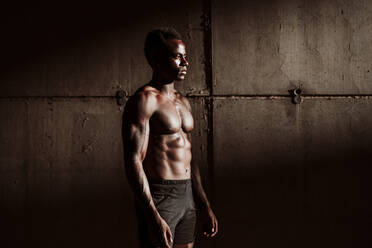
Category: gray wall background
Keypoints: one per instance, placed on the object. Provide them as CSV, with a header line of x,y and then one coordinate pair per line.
x,y
278,174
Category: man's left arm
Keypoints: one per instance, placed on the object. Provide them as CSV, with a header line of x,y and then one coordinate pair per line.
x,y
210,224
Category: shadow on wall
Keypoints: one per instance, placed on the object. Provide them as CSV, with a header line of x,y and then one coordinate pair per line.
x,y
33,30
78,220
317,202
83,48
62,181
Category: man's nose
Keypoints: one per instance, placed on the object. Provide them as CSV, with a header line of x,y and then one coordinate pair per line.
x,y
184,62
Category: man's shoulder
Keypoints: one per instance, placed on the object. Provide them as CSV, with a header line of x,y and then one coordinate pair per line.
x,y
146,92
143,101
145,95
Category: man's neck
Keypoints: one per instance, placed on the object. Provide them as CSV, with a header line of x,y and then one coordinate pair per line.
x,y
163,86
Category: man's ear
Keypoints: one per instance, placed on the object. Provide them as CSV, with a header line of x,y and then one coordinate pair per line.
x,y
156,58
154,62
151,62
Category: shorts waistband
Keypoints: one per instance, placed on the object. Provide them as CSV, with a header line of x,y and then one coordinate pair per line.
x,y
169,182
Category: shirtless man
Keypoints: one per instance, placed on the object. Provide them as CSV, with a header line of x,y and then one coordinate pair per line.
x,y
156,134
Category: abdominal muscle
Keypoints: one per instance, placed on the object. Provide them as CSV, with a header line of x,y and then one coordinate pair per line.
x,y
168,156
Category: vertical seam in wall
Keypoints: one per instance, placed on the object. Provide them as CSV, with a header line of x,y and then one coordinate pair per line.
x,y
208,70
27,226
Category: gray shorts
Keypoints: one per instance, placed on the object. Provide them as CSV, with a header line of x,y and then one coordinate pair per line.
x,y
175,204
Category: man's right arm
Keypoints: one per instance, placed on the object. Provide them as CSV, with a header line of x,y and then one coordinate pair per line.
x,y
136,130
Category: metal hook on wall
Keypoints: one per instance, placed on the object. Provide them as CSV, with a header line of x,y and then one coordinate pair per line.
x,y
296,95
121,97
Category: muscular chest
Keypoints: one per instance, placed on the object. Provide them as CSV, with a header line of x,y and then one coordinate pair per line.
x,y
171,118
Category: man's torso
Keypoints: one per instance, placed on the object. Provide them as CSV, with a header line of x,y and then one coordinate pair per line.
x,y
168,154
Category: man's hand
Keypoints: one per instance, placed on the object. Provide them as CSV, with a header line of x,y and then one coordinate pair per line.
x,y
210,224
164,232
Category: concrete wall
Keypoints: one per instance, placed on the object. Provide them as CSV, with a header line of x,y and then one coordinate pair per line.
x,y
278,174
291,175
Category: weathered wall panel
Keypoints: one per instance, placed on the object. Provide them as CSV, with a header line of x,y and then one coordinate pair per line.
x,y
91,50
336,159
268,47
63,183
258,193
293,172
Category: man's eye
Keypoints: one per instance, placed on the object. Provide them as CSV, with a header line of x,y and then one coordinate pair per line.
x,y
179,56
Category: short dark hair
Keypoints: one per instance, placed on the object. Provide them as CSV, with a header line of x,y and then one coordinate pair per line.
x,y
157,39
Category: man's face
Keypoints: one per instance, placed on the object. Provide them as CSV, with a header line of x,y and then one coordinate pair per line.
x,y
172,64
